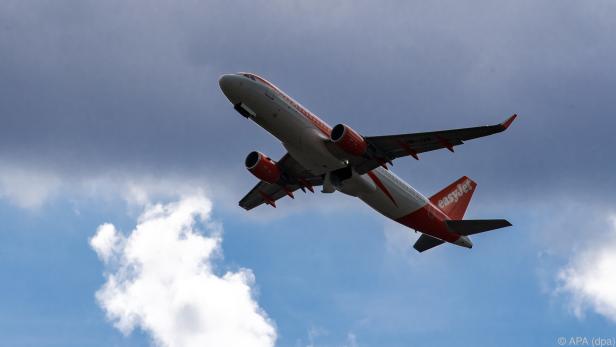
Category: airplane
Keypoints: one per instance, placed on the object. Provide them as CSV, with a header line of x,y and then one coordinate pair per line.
x,y
342,159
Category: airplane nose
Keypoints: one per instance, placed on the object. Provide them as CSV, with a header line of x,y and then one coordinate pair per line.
x,y
230,84
224,81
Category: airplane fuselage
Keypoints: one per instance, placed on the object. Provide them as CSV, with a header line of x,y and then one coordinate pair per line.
x,y
305,135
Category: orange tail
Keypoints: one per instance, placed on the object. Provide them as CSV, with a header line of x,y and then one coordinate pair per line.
x,y
454,199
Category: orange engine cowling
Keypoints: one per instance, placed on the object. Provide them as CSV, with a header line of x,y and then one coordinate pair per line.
x,y
263,167
349,140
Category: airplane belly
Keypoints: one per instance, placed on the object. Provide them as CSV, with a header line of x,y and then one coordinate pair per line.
x,y
298,135
279,122
312,153
356,185
393,198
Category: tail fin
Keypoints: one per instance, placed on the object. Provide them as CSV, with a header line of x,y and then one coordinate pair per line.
x,y
454,199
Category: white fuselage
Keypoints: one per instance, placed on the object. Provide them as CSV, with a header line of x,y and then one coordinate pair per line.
x,y
304,135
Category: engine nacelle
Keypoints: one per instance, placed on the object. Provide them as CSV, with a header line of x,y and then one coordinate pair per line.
x,y
263,167
349,140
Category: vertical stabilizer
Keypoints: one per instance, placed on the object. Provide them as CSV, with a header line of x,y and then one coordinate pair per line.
x,y
454,199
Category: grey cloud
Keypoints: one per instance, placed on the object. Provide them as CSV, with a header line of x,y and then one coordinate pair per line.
x,y
88,83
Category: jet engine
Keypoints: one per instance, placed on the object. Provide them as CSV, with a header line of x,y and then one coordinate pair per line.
x,y
263,167
349,140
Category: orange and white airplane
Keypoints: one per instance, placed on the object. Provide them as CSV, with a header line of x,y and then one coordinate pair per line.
x,y
339,158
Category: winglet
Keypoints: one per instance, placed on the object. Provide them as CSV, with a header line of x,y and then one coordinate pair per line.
x,y
508,122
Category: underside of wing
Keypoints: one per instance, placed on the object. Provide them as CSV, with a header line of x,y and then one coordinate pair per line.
x,y
390,147
295,177
263,192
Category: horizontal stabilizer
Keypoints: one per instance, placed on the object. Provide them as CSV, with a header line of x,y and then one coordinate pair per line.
x,y
475,226
426,242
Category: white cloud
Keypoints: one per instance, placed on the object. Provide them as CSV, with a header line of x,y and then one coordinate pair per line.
x,y
30,186
590,276
316,333
160,278
351,340
26,188
106,242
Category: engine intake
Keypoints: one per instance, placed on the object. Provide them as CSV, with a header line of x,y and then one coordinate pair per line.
x,y
349,140
263,167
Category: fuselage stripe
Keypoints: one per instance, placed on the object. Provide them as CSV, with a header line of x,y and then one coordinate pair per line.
x,y
381,186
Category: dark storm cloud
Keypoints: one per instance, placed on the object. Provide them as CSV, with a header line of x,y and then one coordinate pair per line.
x,y
87,84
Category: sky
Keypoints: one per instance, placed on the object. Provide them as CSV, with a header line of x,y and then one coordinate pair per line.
x,y
121,164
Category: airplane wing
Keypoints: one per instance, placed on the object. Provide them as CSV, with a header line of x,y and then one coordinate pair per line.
x,y
388,148
294,173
